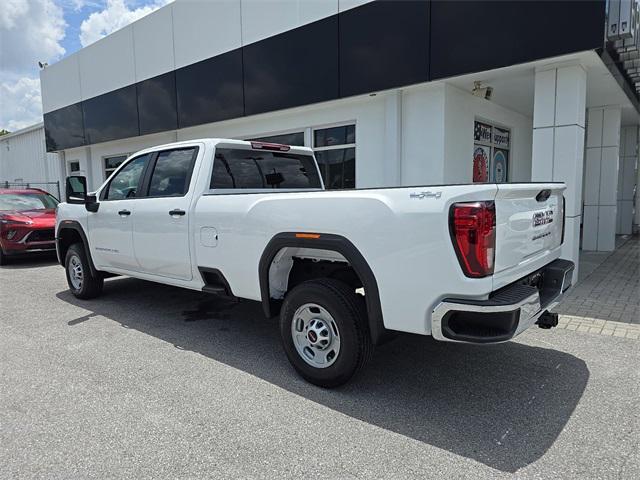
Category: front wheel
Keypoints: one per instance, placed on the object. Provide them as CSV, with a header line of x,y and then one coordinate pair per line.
x,y
324,330
82,283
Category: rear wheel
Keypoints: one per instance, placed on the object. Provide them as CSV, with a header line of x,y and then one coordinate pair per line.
x,y
81,281
324,330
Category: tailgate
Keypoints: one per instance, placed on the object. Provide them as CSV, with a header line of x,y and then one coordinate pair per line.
x,y
529,222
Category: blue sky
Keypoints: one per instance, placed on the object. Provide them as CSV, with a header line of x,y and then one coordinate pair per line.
x,y
47,31
73,17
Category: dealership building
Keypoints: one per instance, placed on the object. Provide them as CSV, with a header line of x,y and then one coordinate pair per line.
x,y
387,93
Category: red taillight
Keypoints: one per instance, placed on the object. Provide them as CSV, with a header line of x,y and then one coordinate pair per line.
x,y
473,232
270,146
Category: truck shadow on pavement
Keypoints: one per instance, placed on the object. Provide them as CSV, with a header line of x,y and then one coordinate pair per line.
x,y
501,405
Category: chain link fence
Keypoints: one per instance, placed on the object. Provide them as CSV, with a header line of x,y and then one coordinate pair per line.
x,y
52,187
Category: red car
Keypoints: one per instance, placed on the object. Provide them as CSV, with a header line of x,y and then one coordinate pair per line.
x,y
27,222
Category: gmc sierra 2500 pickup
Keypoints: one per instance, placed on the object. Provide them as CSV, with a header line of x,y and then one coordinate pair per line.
x,y
464,263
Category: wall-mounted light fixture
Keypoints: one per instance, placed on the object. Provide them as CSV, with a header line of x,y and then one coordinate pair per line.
x,y
482,92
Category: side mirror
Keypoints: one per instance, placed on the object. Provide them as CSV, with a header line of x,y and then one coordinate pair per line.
x,y
76,190
76,193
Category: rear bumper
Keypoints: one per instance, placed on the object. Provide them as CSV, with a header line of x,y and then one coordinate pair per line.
x,y
507,312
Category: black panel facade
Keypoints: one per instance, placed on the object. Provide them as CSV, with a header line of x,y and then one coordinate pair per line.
x,y
376,46
471,36
111,116
64,128
384,44
294,68
210,90
157,108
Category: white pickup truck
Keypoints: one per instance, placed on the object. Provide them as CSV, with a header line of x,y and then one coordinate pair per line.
x,y
343,269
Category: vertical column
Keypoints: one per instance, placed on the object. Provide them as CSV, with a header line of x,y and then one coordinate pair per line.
x,y
627,178
601,178
558,142
393,138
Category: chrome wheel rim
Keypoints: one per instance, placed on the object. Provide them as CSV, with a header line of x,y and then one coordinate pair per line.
x,y
76,273
315,335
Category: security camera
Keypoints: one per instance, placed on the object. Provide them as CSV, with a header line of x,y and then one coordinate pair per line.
x,y
43,64
482,92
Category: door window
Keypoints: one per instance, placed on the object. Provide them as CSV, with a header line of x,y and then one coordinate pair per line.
x,y
125,183
172,173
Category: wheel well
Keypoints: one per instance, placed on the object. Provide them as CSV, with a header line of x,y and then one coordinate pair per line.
x,y
291,266
289,258
66,238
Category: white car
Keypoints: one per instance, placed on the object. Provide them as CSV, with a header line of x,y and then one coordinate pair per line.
x,y
464,263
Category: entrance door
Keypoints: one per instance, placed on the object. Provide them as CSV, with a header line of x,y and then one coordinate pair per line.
x,y
161,226
111,227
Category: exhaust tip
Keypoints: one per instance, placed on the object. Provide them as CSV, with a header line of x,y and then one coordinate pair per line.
x,y
547,320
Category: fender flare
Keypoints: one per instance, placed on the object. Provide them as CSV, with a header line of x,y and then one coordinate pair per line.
x,y
74,225
336,243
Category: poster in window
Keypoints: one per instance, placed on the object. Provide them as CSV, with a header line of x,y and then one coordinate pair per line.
x,y
482,133
500,137
499,165
480,164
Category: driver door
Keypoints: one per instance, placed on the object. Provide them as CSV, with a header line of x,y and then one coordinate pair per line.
x,y
111,227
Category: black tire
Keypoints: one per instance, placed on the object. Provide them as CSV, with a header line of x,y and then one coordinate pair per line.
x,y
349,313
90,286
4,260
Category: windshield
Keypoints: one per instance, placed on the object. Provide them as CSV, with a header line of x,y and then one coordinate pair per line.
x,y
27,201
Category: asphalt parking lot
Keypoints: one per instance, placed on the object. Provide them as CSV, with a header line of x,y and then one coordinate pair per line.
x,y
150,381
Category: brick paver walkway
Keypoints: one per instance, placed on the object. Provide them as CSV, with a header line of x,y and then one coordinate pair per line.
x,y
607,301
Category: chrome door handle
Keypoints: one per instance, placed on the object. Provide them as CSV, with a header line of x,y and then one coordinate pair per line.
x,y
177,212
124,212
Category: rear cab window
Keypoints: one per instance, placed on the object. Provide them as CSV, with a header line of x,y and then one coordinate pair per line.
x,y
236,168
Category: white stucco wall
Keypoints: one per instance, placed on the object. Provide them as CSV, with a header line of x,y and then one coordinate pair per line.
x,y
422,135
461,109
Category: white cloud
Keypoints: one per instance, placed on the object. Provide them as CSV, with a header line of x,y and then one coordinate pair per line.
x,y
20,103
30,31
114,16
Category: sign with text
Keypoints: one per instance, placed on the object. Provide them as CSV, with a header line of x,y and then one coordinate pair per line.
x,y
482,133
500,138
490,153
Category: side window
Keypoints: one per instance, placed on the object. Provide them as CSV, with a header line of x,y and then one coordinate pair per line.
x,y
111,164
335,150
172,173
125,183
252,169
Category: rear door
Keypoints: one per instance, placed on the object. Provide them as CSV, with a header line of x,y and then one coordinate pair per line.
x,y
529,222
161,239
